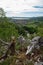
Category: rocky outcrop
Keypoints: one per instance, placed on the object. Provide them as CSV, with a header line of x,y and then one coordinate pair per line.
x,y
36,42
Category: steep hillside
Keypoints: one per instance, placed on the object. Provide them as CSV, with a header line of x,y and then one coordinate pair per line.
x,y
8,28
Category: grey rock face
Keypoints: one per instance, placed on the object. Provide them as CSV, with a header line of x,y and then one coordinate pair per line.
x,y
36,42
38,63
41,41
21,39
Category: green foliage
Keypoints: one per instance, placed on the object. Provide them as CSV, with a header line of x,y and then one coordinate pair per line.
x,y
21,30
31,30
7,61
7,29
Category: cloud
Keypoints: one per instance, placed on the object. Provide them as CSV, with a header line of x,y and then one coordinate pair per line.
x,y
15,7
38,6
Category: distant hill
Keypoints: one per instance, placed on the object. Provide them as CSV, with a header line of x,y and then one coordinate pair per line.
x,y
25,20
19,20
36,19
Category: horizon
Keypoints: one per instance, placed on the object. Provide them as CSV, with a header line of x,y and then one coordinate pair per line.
x,y
22,16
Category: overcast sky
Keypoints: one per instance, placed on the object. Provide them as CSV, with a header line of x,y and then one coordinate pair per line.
x,y
22,8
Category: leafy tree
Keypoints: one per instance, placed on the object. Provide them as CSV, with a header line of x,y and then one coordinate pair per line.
x,y
2,13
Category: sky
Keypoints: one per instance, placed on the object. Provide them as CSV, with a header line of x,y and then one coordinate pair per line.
x,y
22,8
